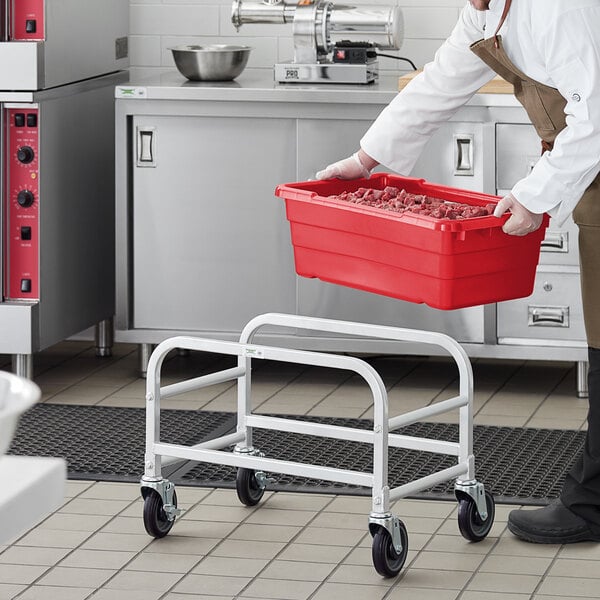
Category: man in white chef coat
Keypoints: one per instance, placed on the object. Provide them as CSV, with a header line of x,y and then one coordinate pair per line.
x,y
550,51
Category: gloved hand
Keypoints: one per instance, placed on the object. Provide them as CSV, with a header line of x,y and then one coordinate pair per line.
x,y
349,168
521,221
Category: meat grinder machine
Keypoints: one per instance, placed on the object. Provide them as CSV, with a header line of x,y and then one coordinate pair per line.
x,y
332,44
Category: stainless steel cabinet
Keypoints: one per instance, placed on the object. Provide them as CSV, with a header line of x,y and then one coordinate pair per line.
x,y
203,245
553,313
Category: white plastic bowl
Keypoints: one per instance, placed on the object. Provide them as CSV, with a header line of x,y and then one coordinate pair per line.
x,y
17,395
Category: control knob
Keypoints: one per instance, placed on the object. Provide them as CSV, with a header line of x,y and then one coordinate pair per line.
x,y
25,154
25,198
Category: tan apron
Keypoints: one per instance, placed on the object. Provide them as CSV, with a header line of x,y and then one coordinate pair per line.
x,y
545,107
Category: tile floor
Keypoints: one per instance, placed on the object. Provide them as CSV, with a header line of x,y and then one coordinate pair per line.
x,y
291,546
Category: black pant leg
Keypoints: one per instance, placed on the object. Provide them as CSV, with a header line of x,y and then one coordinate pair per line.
x,y
581,489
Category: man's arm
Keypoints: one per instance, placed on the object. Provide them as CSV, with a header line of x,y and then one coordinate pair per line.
x,y
571,50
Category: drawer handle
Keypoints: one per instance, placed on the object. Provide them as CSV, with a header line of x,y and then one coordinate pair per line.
x,y
555,241
548,316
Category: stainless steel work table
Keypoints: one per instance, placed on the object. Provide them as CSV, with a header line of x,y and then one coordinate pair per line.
x,y
203,246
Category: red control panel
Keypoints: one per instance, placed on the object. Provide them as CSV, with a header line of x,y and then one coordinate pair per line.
x,y
21,195
27,18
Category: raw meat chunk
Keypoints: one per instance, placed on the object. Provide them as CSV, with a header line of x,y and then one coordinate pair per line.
x,y
399,200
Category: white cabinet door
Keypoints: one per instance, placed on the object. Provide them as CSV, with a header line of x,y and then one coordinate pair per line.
x,y
210,249
461,155
319,142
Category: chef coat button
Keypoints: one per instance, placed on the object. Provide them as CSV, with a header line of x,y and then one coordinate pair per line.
x,y
576,97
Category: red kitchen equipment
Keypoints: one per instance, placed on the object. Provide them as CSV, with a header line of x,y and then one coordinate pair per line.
x,y
445,263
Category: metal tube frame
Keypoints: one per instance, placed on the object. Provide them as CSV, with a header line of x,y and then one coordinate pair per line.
x,y
380,437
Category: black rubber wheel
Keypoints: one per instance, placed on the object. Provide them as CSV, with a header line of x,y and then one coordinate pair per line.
x,y
471,525
386,560
156,522
248,490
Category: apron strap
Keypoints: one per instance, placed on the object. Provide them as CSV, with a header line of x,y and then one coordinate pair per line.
x,y
507,4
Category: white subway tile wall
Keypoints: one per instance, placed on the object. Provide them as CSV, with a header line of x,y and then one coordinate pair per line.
x,y
157,25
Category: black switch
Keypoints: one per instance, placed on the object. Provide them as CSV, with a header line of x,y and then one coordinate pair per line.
x,y
26,285
26,233
30,26
31,120
19,119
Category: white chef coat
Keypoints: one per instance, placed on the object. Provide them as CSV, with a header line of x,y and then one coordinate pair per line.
x,y
555,42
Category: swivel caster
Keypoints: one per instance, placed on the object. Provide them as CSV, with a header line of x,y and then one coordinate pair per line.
x,y
472,526
387,560
156,520
250,486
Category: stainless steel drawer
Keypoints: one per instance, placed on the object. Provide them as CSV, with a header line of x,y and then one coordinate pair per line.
x,y
552,312
560,245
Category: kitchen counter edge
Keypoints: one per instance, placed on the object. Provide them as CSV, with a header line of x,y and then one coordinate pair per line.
x,y
260,87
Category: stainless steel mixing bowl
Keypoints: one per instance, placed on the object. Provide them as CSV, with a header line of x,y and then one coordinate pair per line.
x,y
217,62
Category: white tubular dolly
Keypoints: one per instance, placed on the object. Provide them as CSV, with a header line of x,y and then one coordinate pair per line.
x,y
390,538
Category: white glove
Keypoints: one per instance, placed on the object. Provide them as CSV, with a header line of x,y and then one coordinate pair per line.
x,y
349,168
521,221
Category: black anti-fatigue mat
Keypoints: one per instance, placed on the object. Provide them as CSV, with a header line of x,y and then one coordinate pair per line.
x,y
518,465
107,443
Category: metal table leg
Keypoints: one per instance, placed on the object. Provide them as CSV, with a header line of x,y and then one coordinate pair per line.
x,y
22,365
104,337
582,383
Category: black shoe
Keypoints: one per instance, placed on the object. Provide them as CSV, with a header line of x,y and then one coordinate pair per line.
x,y
553,524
